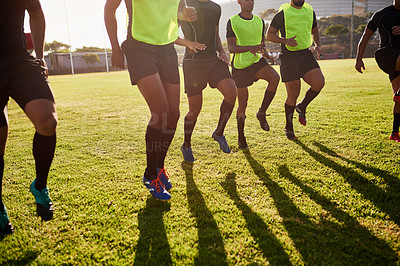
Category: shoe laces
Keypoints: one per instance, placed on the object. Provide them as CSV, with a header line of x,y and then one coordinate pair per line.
x,y
157,184
163,172
45,195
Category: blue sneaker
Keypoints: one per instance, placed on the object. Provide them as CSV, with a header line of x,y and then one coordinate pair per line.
x,y
5,225
157,189
162,175
222,142
44,205
187,154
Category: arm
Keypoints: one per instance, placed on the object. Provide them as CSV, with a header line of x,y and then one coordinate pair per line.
x,y
361,49
317,41
186,13
237,49
38,27
220,48
194,46
272,36
117,57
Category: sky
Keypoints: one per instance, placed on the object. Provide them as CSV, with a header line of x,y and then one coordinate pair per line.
x,y
85,21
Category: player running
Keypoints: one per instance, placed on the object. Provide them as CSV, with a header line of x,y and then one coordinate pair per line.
x,y
207,66
387,20
153,67
298,29
24,78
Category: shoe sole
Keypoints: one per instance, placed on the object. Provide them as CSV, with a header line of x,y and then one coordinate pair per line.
x,y
228,151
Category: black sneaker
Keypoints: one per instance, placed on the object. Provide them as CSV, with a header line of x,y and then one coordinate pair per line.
x,y
263,121
5,224
44,205
302,115
290,134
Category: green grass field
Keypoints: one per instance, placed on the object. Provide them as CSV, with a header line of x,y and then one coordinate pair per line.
x,y
330,198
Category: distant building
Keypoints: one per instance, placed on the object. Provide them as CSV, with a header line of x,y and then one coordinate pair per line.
x,y
323,8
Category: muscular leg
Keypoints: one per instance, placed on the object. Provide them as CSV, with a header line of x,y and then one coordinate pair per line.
x,y
316,80
228,89
243,96
396,107
398,64
3,141
293,91
42,113
195,105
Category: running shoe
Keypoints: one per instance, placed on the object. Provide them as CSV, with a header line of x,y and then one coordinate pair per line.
x,y
157,189
44,205
302,115
396,97
222,142
187,154
5,224
243,144
263,121
162,175
395,137
290,134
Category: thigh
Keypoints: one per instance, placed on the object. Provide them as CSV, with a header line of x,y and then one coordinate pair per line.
x,y
228,89
154,94
396,84
315,79
195,75
267,73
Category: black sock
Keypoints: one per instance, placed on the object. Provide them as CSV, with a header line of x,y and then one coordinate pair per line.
x,y
43,152
153,148
310,95
166,140
289,117
240,126
396,122
225,112
1,181
188,131
268,97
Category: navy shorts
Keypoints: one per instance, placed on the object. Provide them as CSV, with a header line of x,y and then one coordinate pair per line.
x,y
198,73
386,58
146,59
294,65
246,76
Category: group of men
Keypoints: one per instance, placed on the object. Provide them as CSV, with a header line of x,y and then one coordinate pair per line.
x,y
153,67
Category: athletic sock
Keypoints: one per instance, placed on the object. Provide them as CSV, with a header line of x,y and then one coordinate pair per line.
x,y
240,126
188,127
289,117
166,139
310,95
224,115
153,147
43,153
1,181
396,122
268,97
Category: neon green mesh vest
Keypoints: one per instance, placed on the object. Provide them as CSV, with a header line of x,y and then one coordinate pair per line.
x,y
155,21
298,22
248,33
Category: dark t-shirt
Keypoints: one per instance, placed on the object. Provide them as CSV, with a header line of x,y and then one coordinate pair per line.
x,y
204,29
384,20
12,37
278,22
230,33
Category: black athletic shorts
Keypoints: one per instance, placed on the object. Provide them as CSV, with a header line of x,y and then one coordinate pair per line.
x,y
246,76
198,73
295,65
146,59
24,81
386,59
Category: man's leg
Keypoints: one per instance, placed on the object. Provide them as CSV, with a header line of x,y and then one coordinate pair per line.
x,y
293,91
396,111
195,105
3,141
243,96
228,89
316,80
272,77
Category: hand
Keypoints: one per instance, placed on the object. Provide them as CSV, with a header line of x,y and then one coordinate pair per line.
x,y
319,50
257,49
396,30
291,42
117,58
194,46
189,14
224,58
44,65
360,65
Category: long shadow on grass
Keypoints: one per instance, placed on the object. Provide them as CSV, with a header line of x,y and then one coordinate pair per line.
x,y
153,247
267,241
348,241
26,259
211,245
386,201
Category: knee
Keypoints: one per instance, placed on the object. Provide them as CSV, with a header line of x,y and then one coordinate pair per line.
x,y
47,126
230,97
274,81
319,85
